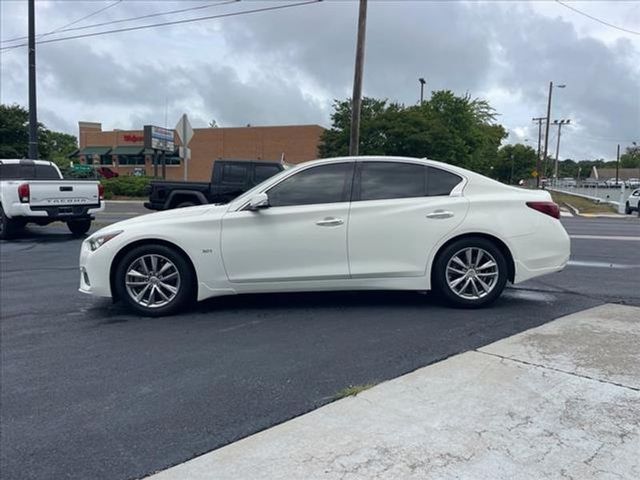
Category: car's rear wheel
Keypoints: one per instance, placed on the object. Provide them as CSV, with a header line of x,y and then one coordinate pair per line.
x,y
627,208
471,272
155,280
79,227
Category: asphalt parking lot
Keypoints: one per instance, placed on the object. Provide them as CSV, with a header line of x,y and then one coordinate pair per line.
x,y
91,391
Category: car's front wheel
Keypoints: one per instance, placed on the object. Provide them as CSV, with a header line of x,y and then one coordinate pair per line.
x,y
471,272
627,208
155,280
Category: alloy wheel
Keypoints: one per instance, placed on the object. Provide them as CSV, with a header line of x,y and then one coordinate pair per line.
x,y
152,281
472,273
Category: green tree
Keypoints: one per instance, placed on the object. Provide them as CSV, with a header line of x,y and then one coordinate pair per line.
x,y
448,128
631,158
14,137
515,162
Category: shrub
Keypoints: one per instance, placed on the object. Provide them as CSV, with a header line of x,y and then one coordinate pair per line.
x,y
129,186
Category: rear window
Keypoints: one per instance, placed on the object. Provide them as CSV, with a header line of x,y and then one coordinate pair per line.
x,y
440,182
234,173
21,171
262,172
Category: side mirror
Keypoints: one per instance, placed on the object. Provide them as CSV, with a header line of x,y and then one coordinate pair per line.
x,y
258,202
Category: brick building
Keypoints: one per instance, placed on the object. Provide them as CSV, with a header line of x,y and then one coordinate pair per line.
x,y
123,150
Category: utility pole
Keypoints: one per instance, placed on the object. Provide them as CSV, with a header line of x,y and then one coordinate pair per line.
x,y
539,120
617,164
422,82
33,116
546,128
559,123
356,100
546,132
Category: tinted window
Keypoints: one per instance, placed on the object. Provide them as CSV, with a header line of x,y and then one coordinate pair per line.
x,y
323,184
440,182
379,180
262,172
234,173
28,172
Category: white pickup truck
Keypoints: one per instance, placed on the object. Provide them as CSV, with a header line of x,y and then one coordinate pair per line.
x,y
34,191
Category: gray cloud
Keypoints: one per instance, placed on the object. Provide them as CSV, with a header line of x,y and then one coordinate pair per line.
x,y
287,66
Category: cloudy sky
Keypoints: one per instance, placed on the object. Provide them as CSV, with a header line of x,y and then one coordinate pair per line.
x,y
286,66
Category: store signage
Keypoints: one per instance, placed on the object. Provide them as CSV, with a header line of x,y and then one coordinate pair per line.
x,y
158,138
130,137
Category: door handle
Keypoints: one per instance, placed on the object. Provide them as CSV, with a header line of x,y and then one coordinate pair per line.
x,y
330,222
440,214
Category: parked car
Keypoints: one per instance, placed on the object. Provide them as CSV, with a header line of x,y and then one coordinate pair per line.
x,y
229,178
613,182
353,223
33,191
633,182
568,182
632,202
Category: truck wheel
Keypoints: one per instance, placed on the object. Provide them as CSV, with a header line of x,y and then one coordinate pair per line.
x,y
79,227
8,227
186,204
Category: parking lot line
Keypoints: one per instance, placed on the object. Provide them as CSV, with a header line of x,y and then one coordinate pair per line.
x,y
606,237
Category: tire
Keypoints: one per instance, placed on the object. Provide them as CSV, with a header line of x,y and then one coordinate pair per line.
x,y
174,289
185,204
79,227
8,227
461,289
628,209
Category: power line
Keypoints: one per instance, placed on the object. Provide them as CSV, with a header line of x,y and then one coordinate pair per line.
x,y
174,22
111,22
80,19
603,22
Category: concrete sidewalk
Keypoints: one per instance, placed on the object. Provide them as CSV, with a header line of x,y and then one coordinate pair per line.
x,y
558,401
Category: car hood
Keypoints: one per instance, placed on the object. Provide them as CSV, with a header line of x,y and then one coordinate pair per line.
x,y
168,217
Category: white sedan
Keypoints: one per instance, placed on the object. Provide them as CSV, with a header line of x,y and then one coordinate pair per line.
x,y
353,223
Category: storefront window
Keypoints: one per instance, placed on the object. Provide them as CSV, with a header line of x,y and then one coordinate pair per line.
x,y
106,160
173,159
130,159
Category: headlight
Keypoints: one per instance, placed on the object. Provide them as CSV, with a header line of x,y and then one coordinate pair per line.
x,y
97,241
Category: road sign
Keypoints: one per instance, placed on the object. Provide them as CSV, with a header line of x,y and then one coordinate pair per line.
x,y
184,130
185,133
158,138
185,152
534,174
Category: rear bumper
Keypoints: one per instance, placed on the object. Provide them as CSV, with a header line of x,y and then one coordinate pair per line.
x,y
545,251
61,212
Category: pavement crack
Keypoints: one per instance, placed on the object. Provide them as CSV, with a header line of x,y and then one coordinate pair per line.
x,y
559,370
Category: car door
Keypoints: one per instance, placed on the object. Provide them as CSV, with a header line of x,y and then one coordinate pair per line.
x,y
399,212
302,235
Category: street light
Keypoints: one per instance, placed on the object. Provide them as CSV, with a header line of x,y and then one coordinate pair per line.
x,y
559,123
422,84
546,132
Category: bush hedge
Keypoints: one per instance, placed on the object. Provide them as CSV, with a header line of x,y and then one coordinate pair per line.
x,y
129,186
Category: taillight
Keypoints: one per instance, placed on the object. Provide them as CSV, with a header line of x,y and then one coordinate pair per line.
x,y
24,193
548,208
101,191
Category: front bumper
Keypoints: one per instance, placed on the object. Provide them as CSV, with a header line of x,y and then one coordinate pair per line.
x,y
95,269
